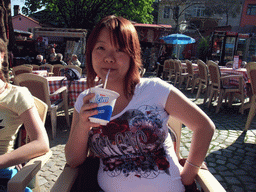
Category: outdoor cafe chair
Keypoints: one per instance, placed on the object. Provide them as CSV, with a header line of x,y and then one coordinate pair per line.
x,y
47,67
179,74
28,65
251,70
27,176
229,64
166,69
21,69
203,78
171,70
191,75
39,87
142,71
219,88
56,69
206,181
35,67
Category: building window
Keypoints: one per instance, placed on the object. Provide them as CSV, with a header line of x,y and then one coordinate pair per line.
x,y
198,11
167,12
195,11
251,9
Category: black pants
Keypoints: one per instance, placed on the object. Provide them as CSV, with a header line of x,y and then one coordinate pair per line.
x,y
87,176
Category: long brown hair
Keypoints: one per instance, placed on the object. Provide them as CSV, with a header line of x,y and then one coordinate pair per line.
x,y
124,35
3,50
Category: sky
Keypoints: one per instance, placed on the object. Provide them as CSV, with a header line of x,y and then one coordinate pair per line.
x,y
21,3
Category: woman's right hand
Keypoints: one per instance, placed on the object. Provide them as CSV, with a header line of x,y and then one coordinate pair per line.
x,y
88,110
77,145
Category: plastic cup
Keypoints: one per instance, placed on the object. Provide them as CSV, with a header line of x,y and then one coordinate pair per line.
x,y
106,100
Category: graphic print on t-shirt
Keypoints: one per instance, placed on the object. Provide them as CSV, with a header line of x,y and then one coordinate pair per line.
x,y
1,127
132,143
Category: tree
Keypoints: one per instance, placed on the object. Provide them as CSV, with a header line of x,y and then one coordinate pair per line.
x,y
203,48
85,13
178,8
228,8
6,31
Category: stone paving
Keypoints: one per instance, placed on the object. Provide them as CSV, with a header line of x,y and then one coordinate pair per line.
x,y
231,157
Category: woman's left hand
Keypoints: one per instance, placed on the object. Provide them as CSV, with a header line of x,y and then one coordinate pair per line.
x,y
188,174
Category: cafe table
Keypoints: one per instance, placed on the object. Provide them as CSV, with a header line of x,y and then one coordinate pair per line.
x,y
195,67
230,71
42,73
74,87
234,81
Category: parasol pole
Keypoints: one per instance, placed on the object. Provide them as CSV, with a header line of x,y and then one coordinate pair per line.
x,y
178,48
178,51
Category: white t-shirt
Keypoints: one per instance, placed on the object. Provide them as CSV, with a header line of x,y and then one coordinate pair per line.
x,y
136,151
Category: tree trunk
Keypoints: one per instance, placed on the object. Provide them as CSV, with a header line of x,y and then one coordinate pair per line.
x,y
2,23
226,18
5,28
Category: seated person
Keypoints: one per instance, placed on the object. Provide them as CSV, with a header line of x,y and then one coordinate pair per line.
x,y
17,108
39,60
160,62
44,62
254,58
59,60
52,55
135,149
75,60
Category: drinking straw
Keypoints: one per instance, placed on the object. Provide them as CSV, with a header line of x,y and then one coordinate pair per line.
x,y
106,80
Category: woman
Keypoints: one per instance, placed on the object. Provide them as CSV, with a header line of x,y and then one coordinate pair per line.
x,y
136,152
17,108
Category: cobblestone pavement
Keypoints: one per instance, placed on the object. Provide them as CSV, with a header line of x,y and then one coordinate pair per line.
x,y
231,157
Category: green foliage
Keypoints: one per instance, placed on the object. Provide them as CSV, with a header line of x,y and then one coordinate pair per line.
x,y
85,13
202,48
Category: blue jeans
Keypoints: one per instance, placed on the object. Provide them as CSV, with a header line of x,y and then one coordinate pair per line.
x,y
5,175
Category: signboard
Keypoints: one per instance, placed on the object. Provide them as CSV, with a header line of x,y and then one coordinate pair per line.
x,y
45,40
236,62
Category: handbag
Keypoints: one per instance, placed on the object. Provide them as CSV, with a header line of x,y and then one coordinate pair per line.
x,y
72,74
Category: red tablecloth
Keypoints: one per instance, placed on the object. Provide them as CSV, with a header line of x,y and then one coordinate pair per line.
x,y
74,87
234,81
231,71
42,73
195,67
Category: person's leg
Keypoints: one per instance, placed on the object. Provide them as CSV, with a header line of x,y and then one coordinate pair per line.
x,y
5,176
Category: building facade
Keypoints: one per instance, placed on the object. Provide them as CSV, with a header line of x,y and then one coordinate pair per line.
x,y
194,11
248,16
23,23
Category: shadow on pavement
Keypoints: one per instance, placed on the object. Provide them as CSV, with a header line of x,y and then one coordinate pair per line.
x,y
228,118
62,129
235,166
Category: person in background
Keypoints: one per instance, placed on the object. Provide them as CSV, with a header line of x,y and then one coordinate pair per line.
x,y
254,58
75,60
135,148
39,60
16,108
44,61
52,56
59,60
160,64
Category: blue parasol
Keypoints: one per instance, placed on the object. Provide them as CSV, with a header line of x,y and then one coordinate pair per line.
x,y
178,39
